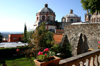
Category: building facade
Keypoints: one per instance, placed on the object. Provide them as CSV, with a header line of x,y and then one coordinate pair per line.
x,y
92,18
95,17
71,17
87,17
15,37
48,16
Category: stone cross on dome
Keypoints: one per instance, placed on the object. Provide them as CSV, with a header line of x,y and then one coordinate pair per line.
x,y
71,11
46,5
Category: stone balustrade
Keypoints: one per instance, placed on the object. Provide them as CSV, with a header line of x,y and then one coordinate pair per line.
x,y
91,58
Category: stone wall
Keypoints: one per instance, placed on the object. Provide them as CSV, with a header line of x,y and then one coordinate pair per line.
x,y
91,31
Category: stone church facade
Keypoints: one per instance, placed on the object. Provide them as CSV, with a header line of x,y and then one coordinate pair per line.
x,y
92,18
48,16
71,17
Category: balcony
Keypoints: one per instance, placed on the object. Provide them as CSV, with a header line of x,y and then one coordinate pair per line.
x,y
91,58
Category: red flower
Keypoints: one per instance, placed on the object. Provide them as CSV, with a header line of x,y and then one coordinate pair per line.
x,y
45,54
99,42
46,49
17,50
40,53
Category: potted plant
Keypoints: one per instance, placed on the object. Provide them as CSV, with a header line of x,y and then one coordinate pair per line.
x,y
99,45
43,59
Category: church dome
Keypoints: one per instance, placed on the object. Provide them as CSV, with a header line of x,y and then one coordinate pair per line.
x,y
71,14
46,9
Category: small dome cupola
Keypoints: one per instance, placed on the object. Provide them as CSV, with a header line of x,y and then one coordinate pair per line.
x,y
46,9
71,11
46,5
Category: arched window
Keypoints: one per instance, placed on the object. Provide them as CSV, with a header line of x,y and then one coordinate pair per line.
x,y
43,17
94,19
63,20
71,20
98,20
37,18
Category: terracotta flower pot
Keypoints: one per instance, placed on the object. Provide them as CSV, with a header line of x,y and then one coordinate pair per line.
x,y
53,62
98,46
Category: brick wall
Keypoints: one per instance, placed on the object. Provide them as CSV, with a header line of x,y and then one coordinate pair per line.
x,y
57,37
59,31
15,37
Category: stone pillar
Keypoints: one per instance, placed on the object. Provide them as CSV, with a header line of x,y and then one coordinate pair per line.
x,y
96,61
99,59
87,62
81,63
74,65
92,61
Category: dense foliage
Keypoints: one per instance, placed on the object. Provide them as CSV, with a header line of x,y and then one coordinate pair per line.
x,y
91,5
42,37
65,47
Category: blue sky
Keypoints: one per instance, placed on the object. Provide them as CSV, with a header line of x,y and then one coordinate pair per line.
x,y
15,13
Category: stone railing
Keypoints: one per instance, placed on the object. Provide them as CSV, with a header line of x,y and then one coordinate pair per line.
x,y
91,58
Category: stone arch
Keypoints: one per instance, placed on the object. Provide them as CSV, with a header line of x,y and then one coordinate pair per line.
x,y
63,19
92,20
71,20
98,20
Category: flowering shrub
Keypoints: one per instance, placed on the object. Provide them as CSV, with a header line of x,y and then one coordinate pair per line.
x,y
99,42
42,56
40,53
17,50
46,50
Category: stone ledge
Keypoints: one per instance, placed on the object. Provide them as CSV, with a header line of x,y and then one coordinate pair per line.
x,y
78,56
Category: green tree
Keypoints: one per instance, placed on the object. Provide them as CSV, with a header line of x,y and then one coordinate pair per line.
x,y
42,37
91,5
1,37
25,35
47,40
65,47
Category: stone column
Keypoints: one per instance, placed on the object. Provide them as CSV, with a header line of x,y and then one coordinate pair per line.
x,y
96,60
92,61
87,62
99,59
81,63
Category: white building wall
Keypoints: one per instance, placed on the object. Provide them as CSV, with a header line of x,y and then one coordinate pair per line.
x,y
51,27
50,17
74,19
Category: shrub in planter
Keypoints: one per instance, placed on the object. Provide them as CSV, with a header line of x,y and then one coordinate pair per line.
x,y
43,59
